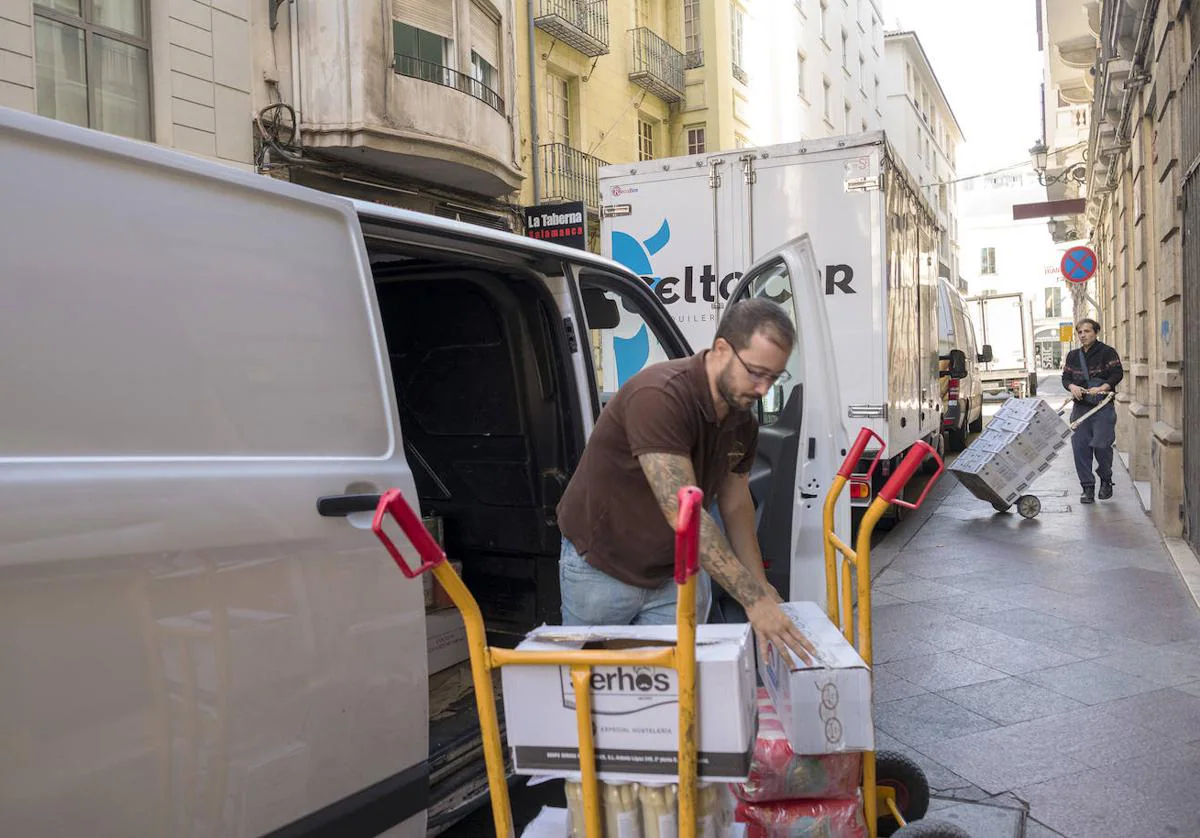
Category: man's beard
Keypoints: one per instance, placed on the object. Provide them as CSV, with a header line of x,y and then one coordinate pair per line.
x,y
726,391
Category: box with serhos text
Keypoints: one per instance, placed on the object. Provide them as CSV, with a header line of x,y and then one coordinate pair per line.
x,y
635,710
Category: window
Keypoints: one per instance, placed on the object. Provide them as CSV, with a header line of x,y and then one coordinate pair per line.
x,y
801,69
695,139
845,51
628,325
846,118
485,46
558,107
864,126
420,54
987,261
825,99
825,21
877,98
775,284
862,73
908,77
738,36
645,140
93,65
692,36
1054,302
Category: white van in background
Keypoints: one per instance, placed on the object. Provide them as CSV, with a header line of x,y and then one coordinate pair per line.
x,y
960,356
208,379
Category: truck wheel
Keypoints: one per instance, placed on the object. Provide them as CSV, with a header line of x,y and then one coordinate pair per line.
x,y
956,438
1033,379
932,829
896,771
976,426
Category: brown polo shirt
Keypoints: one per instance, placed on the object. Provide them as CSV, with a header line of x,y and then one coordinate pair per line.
x,y
609,511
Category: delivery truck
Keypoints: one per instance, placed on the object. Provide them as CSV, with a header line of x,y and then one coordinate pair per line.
x,y
690,225
1005,322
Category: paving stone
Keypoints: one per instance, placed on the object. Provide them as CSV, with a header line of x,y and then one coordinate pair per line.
x,y
1086,642
983,820
955,634
943,671
1014,656
920,590
1001,759
897,645
1024,623
1011,700
880,598
1171,781
925,719
892,576
908,615
1090,682
1170,712
889,687
1035,829
1163,666
1092,804
965,604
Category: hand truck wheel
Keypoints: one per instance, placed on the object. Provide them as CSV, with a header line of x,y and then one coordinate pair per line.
x,y
906,779
1028,506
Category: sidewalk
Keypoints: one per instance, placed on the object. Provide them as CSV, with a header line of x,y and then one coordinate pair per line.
x,y
1051,664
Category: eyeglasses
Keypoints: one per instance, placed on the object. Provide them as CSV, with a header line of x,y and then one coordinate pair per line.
x,y
761,375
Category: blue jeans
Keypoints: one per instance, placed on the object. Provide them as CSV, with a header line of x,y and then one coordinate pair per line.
x,y
591,597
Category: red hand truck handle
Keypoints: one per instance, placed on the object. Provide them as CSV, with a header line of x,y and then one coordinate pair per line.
x,y
900,477
687,534
393,503
856,451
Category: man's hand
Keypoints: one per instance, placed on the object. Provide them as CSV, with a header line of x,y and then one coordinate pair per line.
x,y
773,626
1076,392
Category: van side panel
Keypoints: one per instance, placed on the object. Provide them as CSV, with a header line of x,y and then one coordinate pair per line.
x,y
191,357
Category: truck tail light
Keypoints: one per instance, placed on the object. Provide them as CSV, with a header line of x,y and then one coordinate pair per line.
x,y
859,490
952,390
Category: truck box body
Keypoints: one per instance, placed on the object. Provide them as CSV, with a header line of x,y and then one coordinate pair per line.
x,y
1005,322
690,225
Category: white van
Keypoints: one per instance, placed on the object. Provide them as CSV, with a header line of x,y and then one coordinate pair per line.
x,y
208,378
962,385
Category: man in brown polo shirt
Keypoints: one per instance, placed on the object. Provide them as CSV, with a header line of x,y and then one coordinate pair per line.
x,y
675,424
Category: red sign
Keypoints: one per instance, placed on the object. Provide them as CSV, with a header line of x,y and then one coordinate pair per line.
x,y
1078,264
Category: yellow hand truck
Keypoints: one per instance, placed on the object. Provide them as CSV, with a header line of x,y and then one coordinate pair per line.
x,y
892,785
681,657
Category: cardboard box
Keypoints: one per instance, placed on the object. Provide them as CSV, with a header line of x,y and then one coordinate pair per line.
x,y
635,709
445,639
825,706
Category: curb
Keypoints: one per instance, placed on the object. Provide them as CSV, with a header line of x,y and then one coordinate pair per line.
x,y
1187,564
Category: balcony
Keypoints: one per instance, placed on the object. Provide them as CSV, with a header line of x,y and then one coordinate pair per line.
x,y
415,68
580,24
569,174
655,65
695,58
740,74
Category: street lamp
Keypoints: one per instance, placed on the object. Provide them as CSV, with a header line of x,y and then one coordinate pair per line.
x,y
1040,155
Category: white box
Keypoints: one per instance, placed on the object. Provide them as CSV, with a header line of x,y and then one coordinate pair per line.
x,y
445,639
635,710
825,706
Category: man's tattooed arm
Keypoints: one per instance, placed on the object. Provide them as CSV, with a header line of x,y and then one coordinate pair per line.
x,y
667,474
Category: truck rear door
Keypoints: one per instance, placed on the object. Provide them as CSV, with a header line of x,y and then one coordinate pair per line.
x,y
802,438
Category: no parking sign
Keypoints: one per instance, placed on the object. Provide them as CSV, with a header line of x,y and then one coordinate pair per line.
x,y
1078,264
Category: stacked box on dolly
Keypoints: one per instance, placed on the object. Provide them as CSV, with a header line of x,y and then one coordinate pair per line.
x,y
1016,448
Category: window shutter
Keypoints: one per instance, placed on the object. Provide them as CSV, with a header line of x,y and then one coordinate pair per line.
x,y
485,35
436,16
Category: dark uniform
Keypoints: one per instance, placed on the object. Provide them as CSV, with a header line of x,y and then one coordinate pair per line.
x,y
1095,437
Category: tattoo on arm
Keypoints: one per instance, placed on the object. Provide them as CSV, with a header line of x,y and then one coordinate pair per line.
x,y
667,474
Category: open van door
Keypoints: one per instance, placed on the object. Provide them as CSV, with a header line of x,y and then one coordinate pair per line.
x,y
802,437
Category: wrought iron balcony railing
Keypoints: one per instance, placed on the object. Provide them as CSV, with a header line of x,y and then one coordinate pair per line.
x,y
569,174
655,65
580,24
740,74
415,68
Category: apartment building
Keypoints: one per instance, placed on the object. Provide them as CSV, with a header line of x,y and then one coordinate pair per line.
x,y
926,135
179,73
1126,77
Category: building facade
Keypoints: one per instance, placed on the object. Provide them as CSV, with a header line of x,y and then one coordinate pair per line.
x,y
1138,63
179,73
616,81
1002,256
923,130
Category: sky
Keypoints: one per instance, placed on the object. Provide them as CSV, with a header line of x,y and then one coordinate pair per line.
x,y
985,55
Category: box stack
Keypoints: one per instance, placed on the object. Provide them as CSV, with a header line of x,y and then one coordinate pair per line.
x,y
1018,445
445,633
814,722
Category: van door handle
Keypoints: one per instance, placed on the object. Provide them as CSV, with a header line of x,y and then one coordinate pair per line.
x,y
339,506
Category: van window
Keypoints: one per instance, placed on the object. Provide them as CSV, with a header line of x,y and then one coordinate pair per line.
x,y
207,319
775,284
621,335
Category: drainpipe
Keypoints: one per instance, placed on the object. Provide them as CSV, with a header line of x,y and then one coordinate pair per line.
x,y
535,156
294,31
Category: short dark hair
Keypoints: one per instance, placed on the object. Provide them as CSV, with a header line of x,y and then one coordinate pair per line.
x,y
744,318
1095,324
